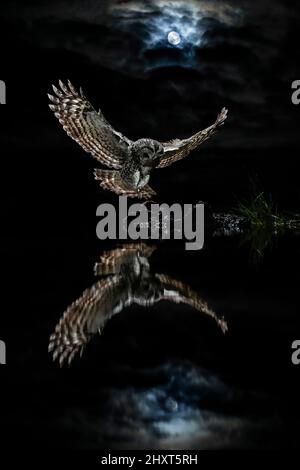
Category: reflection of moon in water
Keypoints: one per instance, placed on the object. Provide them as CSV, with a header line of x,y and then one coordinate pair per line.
x,y
174,38
171,404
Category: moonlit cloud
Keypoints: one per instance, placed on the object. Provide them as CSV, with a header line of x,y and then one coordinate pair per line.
x,y
131,36
154,20
222,43
183,409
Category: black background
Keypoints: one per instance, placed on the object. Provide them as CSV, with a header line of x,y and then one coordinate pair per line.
x,y
49,200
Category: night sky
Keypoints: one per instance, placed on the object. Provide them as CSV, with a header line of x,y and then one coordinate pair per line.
x,y
238,54
241,55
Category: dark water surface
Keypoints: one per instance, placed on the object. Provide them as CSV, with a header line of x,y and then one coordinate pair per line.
x,y
164,376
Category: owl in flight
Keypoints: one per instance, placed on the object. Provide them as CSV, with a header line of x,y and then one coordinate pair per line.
x,y
132,162
126,280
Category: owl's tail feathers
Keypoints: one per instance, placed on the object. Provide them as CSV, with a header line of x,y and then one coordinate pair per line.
x,y
111,179
145,193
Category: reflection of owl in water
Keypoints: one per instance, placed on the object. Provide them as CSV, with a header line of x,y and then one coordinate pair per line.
x,y
132,162
127,280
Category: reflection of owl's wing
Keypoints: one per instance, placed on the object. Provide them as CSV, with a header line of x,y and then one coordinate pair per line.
x,y
87,316
112,180
111,261
176,291
89,128
178,149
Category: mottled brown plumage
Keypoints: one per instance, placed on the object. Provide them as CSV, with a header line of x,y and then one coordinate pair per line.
x,y
129,281
132,162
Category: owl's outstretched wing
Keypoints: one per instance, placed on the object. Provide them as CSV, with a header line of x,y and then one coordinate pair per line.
x,y
178,149
87,316
87,127
178,292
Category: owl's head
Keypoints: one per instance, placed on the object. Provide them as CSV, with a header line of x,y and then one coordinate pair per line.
x,y
147,150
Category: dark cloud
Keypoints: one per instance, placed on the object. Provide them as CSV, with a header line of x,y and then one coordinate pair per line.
x,y
233,53
119,34
183,406
236,48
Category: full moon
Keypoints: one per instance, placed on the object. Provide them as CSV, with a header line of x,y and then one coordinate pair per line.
x,y
174,38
